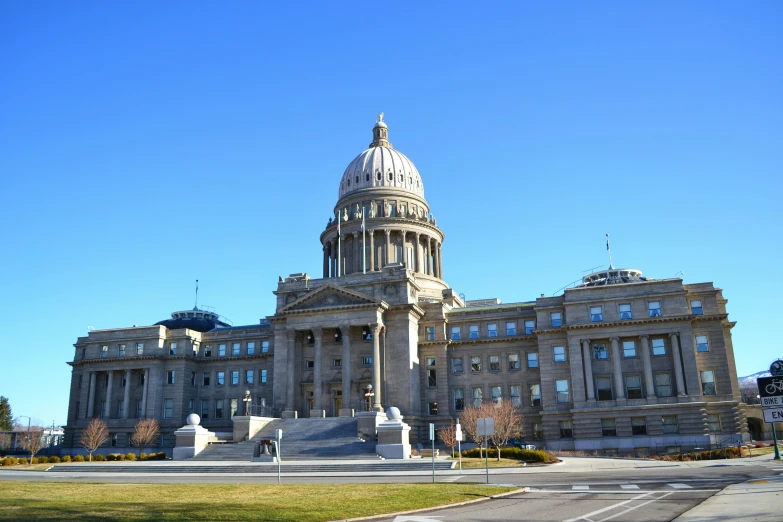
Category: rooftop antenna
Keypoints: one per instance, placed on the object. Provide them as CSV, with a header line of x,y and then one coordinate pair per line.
x,y
196,307
609,251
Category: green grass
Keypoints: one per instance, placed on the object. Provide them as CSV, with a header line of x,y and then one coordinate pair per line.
x,y
295,502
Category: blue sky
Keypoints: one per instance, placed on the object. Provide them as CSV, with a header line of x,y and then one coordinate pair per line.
x,y
143,146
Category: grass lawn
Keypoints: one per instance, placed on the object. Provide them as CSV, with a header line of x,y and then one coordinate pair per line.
x,y
493,463
300,502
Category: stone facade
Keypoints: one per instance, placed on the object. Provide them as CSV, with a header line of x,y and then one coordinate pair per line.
x,y
619,363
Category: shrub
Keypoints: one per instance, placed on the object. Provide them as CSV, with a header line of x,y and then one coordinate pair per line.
x,y
78,458
512,453
65,458
142,456
9,461
130,456
54,459
99,458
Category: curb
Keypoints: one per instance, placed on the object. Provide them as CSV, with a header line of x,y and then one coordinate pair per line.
x,y
445,506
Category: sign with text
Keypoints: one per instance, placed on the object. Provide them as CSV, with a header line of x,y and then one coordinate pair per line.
x,y
770,387
773,414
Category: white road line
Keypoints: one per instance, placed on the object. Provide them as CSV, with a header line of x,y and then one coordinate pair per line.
x,y
608,508
629,486
680,486
580,488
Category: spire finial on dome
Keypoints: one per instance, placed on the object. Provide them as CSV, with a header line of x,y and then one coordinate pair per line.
x,y
380,134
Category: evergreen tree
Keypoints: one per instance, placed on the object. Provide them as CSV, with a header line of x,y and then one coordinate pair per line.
x,y
6,418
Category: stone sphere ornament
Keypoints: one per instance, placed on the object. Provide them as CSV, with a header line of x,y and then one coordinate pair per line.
x,y
193,419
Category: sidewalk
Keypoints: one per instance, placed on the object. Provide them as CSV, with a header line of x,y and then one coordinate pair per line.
x,y
753,501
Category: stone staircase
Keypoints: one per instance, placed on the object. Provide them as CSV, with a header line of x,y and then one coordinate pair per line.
x,y
303,439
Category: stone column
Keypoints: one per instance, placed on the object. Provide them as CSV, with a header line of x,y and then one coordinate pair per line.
x,y
416,260
290,369
588,359
326,262
356,264
647,364
91,400
347,410
677,364
619,389
318,407
126,397
144,393
388,246
375,328
372,250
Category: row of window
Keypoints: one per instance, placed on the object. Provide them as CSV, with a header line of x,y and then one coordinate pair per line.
x,y
220,377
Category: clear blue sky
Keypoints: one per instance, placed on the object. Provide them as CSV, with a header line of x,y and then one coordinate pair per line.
x,y
143,146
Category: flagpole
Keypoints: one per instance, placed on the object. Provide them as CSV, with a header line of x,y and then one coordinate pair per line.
x,y
364,246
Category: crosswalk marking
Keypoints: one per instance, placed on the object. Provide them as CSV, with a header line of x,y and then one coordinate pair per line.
x,y
580,488
629,486
680,486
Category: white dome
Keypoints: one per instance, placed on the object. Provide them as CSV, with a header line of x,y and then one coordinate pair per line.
x,y
381,167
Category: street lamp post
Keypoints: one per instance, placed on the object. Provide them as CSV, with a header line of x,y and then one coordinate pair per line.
x,y
247,399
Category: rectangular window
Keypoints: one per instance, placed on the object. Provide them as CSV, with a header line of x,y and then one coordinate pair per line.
x,y
251,348
249,376
659,347
529,327
433,408
168,408
474,331
670,424
492,330
234,406
104,351
603,386
513,361
193,378
713,421
264,346
221,378
511,328
170,377
459,399
218,408
366,361
429,333
205,379
702,344
625,311
556,319
221,350
608,428
494,363
478,396
263,376
663,385
432,378
204,409
337,363
560,355
475,364
235,349
455,333
497,394
565,430
707,382
456,365
655,308
139,348
629,349
696,308
535,395
207,350
234,377
532,360
639,425
633,386
562,391
599,352
121,349
596,314
538,431
172,348
514,393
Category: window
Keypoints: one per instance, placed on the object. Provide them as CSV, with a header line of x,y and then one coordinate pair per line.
x,y
221,350
596,314
702,344
218,408
633,386
264,346
475,364
608,428
459,399
168,407
562,391
170,377
560,355
234,405
535,395
625,311
366,361
172,348
514,393
532,360
207,350
205,379
529,327
263,376
193,379
511,328
139,348
104,351
474,331
713,421
639,425
629,349
497,394
556,319
492,330
433,408
655,308
670,424
513,361
538,431
455,333
494,363
456,365
707,382
599,352
663,385
603,386
565,430
221,378
337,363
121,350
251,348
234,377
249,376
204,409
659,347
696,308
429,333
478,396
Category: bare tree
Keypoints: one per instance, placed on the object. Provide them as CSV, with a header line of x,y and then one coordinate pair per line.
x,y
33,442
509,423
94,435
449,436
469,421
145,434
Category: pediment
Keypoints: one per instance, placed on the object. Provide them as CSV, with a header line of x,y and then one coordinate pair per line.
x,y
330,296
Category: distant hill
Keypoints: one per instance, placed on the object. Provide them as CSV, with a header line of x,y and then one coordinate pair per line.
x,y
750,380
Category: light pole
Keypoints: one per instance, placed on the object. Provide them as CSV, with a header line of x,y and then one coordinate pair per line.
x,y
247,399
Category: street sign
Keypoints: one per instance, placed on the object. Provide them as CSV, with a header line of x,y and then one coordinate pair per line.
x,y
773,414
770,387
485,426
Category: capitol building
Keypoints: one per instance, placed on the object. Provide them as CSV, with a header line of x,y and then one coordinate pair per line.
x,y
620,363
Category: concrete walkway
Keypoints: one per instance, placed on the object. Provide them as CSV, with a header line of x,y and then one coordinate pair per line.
x,y
756,500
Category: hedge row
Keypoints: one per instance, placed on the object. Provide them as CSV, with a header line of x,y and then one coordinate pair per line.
x,y
13,461
512,453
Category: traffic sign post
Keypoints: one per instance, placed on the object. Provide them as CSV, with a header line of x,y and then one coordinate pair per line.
x,y
771,397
